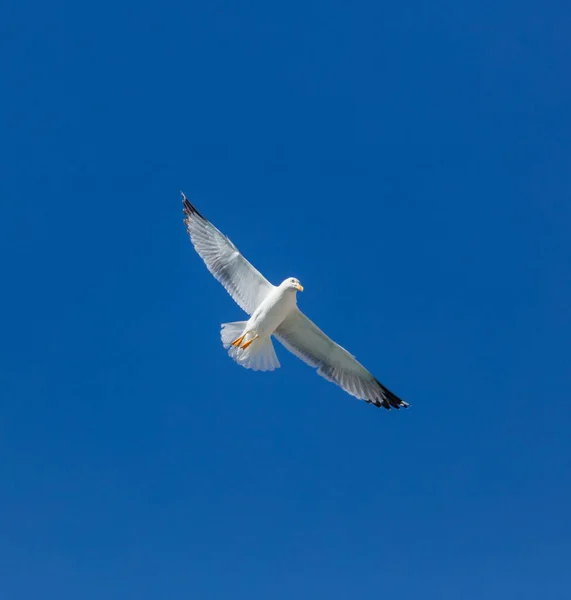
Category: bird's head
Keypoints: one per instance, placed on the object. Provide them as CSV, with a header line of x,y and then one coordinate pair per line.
x,y
292,283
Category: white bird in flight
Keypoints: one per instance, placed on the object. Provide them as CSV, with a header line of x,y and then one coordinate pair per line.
x,y
273,311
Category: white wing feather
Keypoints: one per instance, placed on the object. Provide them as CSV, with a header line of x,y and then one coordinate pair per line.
x,y
247,286
304,339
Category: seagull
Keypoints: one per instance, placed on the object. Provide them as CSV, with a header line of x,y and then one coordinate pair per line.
x,y
273,312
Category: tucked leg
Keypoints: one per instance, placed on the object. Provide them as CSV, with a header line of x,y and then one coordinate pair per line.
x,y
238,341
246,344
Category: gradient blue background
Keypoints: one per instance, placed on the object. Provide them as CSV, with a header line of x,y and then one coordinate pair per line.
x,y
410,163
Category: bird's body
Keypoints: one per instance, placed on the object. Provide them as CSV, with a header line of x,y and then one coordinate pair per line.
x,y
273,312
253,347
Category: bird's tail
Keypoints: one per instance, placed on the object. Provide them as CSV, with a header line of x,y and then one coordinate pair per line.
x,y
231,332
248,350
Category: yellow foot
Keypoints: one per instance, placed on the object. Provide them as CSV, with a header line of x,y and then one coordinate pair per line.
x,y
246,344
238,341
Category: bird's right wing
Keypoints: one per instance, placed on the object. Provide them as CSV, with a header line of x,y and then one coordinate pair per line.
x,y
247,286
303,338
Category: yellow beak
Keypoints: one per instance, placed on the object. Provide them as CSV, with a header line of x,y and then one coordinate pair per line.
x,y
299,287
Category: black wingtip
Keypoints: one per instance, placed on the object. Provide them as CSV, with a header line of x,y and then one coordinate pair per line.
x,y
390,400
189,209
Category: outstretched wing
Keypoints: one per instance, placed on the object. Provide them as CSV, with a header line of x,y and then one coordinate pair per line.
x,y
304,339
247,286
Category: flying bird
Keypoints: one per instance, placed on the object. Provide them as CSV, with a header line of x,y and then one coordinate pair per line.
x,y
273,311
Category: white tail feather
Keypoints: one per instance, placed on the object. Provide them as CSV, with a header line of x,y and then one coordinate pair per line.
x,y
258,356
231,332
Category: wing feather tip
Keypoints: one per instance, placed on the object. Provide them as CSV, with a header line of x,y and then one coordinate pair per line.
x,y
189,209
389,400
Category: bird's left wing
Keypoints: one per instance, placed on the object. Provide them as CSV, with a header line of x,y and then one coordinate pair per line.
x,y
247,286
303,338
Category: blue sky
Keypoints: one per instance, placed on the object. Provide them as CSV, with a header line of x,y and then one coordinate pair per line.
x,y
410,164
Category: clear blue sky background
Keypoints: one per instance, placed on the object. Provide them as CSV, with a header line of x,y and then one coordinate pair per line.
x,y
411,160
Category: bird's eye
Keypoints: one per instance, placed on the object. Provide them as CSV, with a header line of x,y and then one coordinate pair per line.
x,y
293,280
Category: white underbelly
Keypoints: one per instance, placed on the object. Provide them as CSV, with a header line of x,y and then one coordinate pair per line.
x,y
271,313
